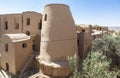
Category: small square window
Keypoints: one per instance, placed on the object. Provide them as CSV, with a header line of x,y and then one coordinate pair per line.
x,y
24,45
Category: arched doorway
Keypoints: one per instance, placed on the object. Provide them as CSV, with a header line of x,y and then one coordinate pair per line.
x,y
7,67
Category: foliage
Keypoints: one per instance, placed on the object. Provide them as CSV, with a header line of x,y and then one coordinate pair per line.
x,y
110,46
73,62
97,66
94,66
119,34
105,52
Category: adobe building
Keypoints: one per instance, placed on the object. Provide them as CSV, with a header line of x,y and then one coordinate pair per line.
x,y
96,34
98,31
100,28
86,27
10,23
11,27
16,48
0,25
58,40
84,39
32,23
79,28
28,22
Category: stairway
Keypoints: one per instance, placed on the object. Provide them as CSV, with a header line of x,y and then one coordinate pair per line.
x,y
28,61
3,74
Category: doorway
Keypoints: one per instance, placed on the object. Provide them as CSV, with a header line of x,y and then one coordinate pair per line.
x,y
7,67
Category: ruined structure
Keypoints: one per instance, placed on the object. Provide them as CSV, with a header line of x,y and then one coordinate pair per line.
x,y
98,31
84,39
58,40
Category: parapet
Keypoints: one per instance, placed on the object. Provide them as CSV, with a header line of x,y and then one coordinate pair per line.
x,y
31,12
57,5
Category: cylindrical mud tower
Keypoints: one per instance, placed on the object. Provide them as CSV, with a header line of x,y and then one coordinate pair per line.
x,y
58,40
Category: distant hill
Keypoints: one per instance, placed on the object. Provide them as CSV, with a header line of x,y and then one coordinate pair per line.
x,y
116,28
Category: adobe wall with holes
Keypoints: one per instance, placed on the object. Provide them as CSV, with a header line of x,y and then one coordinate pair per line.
x,y
15,53
23,50
32,23
84,44
36,42
10,23
0,26
84,41
78,28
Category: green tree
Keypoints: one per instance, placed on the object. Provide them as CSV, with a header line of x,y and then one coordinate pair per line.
x,y
110,46
73,62
105,54
94,66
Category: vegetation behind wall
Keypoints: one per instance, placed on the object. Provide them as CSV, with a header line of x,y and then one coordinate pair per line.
x,y
102,61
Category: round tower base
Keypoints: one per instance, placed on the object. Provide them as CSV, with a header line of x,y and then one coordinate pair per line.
x,y
55,69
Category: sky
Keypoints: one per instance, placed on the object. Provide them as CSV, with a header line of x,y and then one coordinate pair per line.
x,y
95,12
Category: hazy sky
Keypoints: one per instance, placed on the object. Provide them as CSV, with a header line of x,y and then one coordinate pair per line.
x,y
101,12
